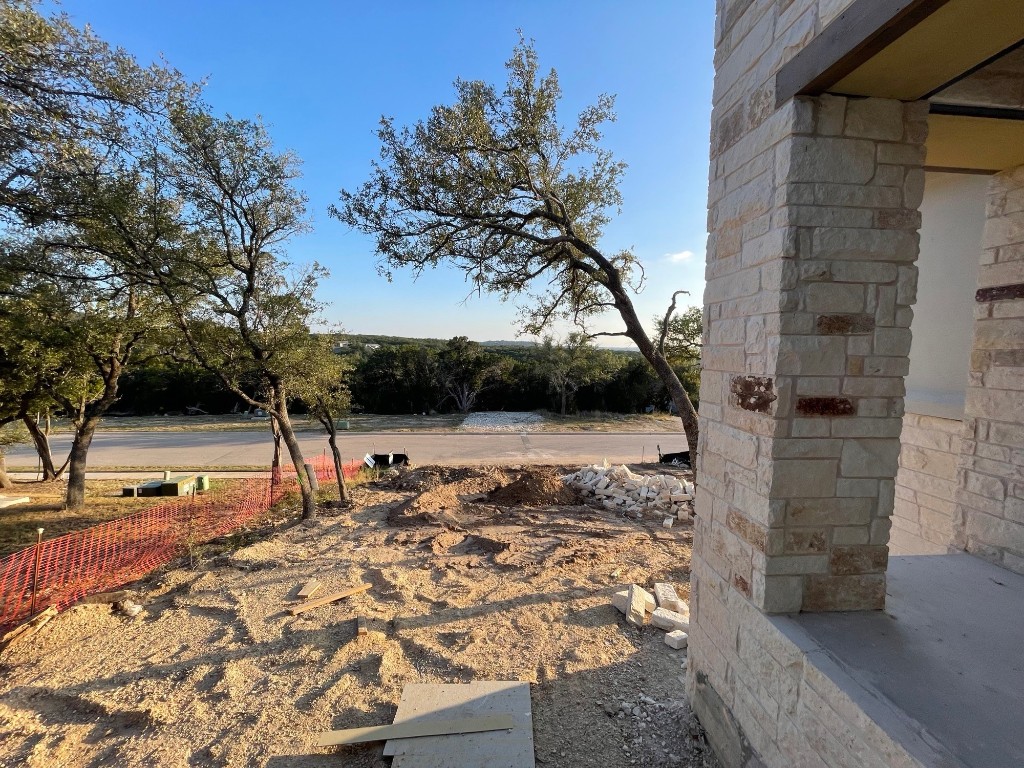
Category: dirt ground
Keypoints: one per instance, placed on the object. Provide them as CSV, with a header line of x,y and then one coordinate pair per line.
x,y
103,502
476,573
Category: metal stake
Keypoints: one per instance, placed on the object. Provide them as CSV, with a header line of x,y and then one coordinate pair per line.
x,y
35,569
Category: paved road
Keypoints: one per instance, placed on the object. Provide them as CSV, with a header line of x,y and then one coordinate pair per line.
x,y
190,450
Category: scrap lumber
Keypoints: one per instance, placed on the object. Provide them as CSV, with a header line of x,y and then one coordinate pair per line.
x,y
27,629
414,728
309,588
361,626
295,610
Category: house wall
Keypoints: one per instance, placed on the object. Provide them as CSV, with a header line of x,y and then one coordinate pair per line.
x,y
922,519
989,517
952,220
813,219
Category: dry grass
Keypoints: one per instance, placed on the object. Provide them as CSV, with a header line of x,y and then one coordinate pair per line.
x,y
103,502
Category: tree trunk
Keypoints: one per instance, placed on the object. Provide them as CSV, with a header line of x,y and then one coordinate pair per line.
x,y
42,447
332,438
292,443
5,481
635,331
84,431
563,399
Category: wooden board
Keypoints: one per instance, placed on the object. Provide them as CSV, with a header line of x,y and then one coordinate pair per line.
x,y
424,727
508,749
25,630
295,610
309,588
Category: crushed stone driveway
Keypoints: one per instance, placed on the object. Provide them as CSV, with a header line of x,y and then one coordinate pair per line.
x,y
243,449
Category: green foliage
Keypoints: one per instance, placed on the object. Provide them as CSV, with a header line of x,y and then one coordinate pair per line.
x,y
465,369
574,363
66,99
492,185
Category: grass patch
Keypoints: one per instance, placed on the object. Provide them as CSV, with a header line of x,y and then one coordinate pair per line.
x,y
103,502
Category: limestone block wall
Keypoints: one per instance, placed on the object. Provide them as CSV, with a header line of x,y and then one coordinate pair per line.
x,y
922,519
780,706
989,517
810,277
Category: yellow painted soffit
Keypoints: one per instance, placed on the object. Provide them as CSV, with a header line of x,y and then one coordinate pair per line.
x,y
959,35
974,143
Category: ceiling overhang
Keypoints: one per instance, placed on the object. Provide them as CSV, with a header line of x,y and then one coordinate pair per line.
x,y
903,49
978,144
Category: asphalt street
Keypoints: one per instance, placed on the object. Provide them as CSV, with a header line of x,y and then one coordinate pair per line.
x,y
209,450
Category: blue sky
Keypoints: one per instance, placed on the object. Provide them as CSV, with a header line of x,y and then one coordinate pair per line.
x,y
322,73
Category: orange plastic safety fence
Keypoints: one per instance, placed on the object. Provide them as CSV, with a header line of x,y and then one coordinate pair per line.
x,y
114,553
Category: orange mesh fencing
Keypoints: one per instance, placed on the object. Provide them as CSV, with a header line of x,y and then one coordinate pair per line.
x,y
112,554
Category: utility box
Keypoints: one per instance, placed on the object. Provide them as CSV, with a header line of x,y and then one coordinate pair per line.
x,y
202,482
341,424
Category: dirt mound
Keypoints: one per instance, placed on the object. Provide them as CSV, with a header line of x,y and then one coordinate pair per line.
x,y
462,479
535,488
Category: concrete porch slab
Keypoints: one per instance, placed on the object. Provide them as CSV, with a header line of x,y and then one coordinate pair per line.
x,y
947,652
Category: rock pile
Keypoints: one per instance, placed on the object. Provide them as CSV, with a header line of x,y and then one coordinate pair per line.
x,y
620,488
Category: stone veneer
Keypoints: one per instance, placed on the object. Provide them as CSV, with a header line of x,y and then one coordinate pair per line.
x,y
813,213
989,518
922,521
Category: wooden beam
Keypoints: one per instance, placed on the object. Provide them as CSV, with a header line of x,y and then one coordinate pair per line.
x,y
857,34
971,110
295,610
415,728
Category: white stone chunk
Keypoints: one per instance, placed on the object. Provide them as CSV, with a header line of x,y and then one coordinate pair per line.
x,y
636,610
668,620
667,522
621,600
667,597
676,639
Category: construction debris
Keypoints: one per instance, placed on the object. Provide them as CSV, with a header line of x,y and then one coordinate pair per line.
x,y
670,621
621,488
295,610
621,600
129,608
308,589
667,597
677,639
417,728
636,610
27,629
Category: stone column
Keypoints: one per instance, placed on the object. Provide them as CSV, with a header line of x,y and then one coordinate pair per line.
x,y
989,518
810,278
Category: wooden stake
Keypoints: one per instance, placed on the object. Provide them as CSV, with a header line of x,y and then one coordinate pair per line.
x,y
295,610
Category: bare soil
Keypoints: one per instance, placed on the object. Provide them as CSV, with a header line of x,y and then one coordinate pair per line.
x,y
477,574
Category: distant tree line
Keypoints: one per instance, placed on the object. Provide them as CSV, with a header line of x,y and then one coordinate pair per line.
x,y
391,375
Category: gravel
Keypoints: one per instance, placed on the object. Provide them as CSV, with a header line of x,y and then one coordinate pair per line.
x,y
501,421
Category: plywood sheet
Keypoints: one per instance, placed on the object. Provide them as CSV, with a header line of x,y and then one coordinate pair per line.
x,y
493,749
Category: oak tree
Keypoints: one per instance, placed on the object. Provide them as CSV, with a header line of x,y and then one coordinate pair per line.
x,y
494,185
